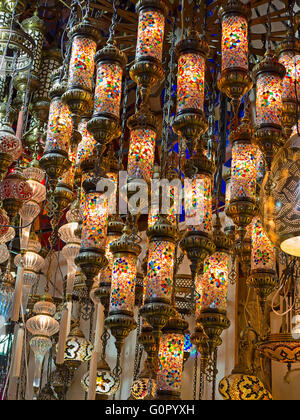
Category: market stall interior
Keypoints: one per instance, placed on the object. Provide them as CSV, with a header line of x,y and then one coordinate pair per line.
x,y
149,187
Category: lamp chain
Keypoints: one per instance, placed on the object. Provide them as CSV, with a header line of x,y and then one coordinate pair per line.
x,y
114,23
195,376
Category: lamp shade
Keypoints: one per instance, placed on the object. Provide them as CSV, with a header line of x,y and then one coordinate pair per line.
x,y
243,172
95,216
234,42
279,204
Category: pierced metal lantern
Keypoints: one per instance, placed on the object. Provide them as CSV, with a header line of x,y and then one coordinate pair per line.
x,y
263,263
289,57
269,74
190,121
235,79
55,160
279,198
147,71
242,205
78,97
170,356
105,123
50,62
77,350
35,27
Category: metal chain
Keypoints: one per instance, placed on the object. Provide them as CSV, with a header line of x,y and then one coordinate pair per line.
x,y
114,22
168,103
123,117
201,384
269,26
195,376
137,350
215,372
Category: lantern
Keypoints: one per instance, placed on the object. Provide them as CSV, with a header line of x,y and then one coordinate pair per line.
x,y
269,74
106,383
78,97
147,71
125,251
198,242
229,226
104,124
30,210
56,152
33,263
143,133
289,57
114,231
242,387
42,326
263,263
77,350
171,352
242,204
157,307
10,148
211,298
279,198
35,27
235,79
86,147
6,295
68,233
50,61
14,192
91,257
190,121
4,222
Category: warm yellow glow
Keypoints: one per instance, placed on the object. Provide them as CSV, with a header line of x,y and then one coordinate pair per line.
x,y
291,246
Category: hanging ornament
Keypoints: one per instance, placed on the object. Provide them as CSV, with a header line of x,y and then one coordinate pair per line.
x,y
56,152
171,352
78,349
50,62
120,318
14,192
143,132
263,263
269,74
190,121
91,258
211,304
78,96
235,79
34,27
32,263
198,243
242,387
289,57
42,326
10,148
147,71
242,205
105,123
